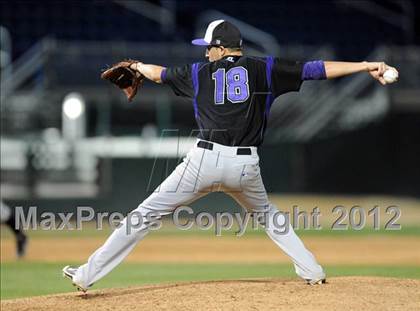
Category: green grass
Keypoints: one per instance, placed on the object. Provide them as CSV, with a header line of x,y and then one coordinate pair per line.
x,y
22,279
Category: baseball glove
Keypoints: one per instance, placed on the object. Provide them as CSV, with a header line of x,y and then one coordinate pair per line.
x,y
127,79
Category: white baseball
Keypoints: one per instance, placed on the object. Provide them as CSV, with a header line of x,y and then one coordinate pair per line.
x,y
390,75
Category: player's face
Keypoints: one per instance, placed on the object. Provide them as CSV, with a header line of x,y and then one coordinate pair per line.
x,y
214,53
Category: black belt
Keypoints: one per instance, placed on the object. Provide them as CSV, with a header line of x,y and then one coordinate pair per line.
x,y
209,146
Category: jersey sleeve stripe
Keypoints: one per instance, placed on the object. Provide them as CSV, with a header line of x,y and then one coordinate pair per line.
x,y
194,75
314,70
163,75
268,69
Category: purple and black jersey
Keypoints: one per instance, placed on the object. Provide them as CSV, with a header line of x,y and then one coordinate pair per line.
x,y
232,97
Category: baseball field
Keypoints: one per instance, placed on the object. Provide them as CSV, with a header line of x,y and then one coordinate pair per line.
x,y
174,269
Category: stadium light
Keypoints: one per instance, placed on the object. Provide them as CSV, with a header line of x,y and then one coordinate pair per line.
x,y
73,105
73,117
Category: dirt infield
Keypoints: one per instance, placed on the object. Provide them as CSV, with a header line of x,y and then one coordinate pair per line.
x,y
363,250
341,293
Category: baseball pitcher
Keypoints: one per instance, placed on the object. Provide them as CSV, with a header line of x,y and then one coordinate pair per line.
x,y
231,95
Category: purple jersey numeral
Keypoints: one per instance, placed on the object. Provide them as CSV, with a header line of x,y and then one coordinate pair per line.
x,y
236,82
219,87
237,85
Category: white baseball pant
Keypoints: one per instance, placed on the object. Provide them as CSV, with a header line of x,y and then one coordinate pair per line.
x,y
238,175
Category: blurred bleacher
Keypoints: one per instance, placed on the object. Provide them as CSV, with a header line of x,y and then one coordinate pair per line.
x,y
351,26
60,47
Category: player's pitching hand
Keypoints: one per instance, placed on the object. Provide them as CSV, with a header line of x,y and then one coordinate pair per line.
x,y
377,70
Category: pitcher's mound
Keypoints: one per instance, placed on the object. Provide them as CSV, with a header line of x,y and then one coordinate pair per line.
x,y
340,293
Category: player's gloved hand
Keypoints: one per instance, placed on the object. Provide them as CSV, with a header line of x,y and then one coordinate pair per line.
x,y
126,78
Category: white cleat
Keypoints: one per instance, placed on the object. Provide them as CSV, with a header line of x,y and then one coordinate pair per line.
x,y
69,273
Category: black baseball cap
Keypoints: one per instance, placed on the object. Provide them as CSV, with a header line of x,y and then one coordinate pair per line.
x,y
221,32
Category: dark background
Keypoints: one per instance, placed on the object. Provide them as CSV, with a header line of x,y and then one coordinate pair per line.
x,y
380,157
